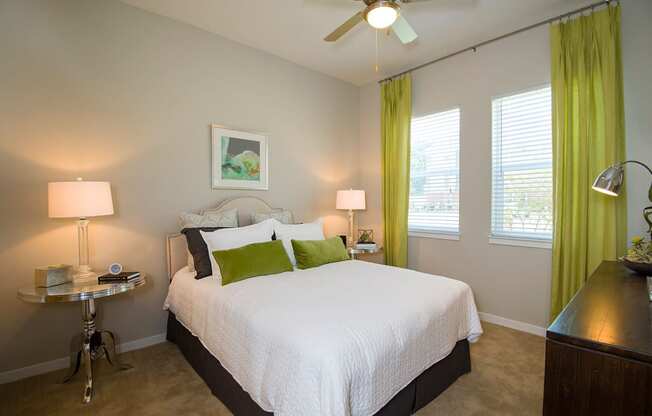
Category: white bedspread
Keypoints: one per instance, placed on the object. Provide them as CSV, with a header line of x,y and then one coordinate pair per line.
x,y
340,339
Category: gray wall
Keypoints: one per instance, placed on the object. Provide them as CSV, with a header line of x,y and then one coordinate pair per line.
x,y
637,73
510,282
105,91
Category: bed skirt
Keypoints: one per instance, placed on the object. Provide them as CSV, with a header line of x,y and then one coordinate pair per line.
x,y
421,391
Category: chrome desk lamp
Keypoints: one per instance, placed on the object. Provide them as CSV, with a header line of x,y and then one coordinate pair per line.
x,y
611,179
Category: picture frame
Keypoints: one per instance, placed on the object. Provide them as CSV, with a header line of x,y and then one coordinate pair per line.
x,y
239,159
365,235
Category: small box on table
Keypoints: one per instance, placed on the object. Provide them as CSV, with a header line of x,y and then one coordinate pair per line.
x,y
53,275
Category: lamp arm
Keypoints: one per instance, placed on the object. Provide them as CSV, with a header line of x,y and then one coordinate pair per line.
x,y
638,163
649,192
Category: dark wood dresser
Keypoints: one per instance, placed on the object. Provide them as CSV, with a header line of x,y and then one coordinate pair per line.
x,y
599,349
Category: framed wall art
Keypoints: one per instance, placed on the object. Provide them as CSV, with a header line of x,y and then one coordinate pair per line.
x,y
239,159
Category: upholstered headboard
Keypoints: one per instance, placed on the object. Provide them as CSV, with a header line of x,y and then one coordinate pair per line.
x,y
176,246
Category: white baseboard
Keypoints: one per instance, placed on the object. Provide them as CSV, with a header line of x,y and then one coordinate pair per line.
x,y
141,343
59,363
509,323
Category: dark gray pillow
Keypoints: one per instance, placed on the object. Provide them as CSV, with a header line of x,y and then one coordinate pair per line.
x,y
199,250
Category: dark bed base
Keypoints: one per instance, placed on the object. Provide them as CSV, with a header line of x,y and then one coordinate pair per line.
x,y
421,391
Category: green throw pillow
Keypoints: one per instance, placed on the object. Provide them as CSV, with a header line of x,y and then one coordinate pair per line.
x,y
257,259
313,253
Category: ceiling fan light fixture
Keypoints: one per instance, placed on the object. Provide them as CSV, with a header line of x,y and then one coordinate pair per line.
x,y
381,14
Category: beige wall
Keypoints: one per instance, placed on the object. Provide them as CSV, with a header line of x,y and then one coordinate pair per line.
x,y
511,282
105,91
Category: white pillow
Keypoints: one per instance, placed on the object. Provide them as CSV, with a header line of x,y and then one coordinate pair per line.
x,y
210,219
282,215
229,238
287,232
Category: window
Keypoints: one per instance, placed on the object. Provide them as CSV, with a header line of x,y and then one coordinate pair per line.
x,y
434,173
522,166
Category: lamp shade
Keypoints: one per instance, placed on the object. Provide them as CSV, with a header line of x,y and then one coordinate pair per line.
x,y
350,199
610,180
79,199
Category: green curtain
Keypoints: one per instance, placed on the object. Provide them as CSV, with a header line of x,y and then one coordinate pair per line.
x,y
588,136
395,118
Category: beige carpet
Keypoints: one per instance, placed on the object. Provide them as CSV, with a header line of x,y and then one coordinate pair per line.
x,y
507,378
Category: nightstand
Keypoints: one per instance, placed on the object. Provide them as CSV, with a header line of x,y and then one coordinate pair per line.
x,y
358,251
92,343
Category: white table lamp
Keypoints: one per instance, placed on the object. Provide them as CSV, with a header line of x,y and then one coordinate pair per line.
x,y
350,200
80,199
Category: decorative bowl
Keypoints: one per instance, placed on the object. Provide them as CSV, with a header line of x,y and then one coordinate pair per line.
x,y
644,269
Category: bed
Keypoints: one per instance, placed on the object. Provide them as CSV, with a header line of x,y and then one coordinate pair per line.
x,y
347,338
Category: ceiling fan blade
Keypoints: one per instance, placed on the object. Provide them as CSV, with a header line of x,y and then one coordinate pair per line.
x,y
403,30
447,4
345,27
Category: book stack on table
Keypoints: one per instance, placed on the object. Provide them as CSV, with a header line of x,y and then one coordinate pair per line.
x,y
123,277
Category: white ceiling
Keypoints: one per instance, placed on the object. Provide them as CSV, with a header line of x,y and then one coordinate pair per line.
x,y
294,29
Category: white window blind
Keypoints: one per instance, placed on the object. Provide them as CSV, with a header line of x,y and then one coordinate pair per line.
x,y
522,166
434,173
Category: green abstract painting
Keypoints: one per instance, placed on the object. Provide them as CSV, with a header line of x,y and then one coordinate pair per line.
x,y
240,159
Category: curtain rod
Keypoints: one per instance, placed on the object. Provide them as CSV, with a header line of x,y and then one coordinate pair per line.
x,y
486,42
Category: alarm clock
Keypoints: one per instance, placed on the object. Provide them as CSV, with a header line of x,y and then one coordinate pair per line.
x,y
115,268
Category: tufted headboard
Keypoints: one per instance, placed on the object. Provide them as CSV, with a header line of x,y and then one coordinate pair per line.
x,y
176,246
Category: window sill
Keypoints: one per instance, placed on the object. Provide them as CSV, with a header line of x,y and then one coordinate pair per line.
x,y
518,242
435,235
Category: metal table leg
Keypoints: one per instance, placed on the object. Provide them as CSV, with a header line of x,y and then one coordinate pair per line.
x,y
88,330
91,345
75,357
107,344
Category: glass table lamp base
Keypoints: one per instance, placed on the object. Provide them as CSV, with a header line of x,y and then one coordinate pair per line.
x,y
84,275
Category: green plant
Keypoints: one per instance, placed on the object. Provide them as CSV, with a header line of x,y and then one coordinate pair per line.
x,y
640,251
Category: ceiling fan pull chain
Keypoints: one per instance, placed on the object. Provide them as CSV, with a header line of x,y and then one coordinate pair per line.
x,y
377,66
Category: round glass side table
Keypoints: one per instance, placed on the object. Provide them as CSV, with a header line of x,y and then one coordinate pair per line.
x,y
91,344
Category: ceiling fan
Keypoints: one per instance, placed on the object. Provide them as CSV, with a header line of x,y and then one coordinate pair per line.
x,y
380,14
